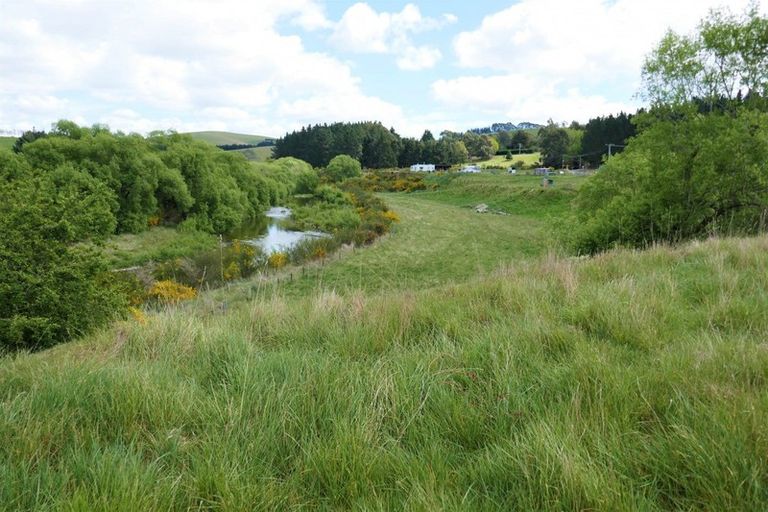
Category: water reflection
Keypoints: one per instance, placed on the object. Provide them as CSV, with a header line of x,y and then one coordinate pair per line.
x,y
269,232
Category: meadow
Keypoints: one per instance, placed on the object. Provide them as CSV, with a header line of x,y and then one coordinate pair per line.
x,y
6,143
633,380
217,138
501,162
462,362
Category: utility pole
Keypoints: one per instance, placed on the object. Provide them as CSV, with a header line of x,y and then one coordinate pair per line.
x,y
519,148
221,256
611,146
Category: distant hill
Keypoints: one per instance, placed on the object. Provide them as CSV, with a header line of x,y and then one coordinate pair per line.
x,y
217,138
507,127
257,154
6,143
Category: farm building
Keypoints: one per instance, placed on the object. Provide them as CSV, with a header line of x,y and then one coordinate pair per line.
x,y
541,171
470,169
423,167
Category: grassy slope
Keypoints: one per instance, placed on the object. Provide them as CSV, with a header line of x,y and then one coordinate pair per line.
x,y
500,161
257,154
631,381
517,195
216,138
6,143
433,244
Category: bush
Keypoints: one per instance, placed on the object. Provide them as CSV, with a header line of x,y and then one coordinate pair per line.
x,y
54,283
692,177
342,167
171,292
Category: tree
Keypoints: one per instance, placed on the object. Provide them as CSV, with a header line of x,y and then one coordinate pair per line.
x,y
53,283
28,136
675,182
601,131
480,146
553,142
520,139
504,139
342,167
728,56
699,164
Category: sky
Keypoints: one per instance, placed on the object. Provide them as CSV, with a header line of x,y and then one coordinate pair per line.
x,y
271,66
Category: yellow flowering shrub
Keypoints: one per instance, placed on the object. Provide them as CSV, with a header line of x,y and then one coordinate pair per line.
x,y
168,291
393,216
138,315
277,260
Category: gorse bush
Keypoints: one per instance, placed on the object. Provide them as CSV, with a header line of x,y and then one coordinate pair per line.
x,y
171,292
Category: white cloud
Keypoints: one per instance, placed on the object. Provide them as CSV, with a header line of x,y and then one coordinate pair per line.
x,y
414,58
550,58
521,97
363,30
202,65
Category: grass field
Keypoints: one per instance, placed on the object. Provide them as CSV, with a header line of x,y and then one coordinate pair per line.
x,y
460,363
461,244
501,162
631,381
216,138
257,154
157,244
6,143
518,195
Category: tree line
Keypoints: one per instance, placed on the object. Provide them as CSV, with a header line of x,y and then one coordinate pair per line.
x,y
377,147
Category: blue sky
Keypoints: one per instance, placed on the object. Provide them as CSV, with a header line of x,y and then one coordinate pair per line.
x,y
270,66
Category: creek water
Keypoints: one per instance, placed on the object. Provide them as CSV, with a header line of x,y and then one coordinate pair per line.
x,y
270,234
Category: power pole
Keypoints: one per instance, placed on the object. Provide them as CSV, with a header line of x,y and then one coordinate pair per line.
x,y
611,146
519,148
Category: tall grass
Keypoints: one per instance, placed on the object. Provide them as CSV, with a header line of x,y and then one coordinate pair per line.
x,y
628,381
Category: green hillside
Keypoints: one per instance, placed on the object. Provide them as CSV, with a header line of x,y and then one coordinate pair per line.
x,y
257,154
6,143
216,138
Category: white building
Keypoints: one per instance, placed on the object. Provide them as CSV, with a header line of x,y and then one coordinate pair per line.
x,y
470,169
423,167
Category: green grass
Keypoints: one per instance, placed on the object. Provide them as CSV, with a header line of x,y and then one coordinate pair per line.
x,y
459,363
501,162
156,244
216,138
6,143
433,244
261,154
630,381
518,195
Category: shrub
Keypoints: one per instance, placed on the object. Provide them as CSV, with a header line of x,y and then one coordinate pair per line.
x,y
277,260
171,292
675,181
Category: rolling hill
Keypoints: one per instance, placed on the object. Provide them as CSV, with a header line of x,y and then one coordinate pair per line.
x,y
7,142
217,138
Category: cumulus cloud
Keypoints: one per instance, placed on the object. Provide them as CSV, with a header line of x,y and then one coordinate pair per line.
x,y
363,30
549,57
203,65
